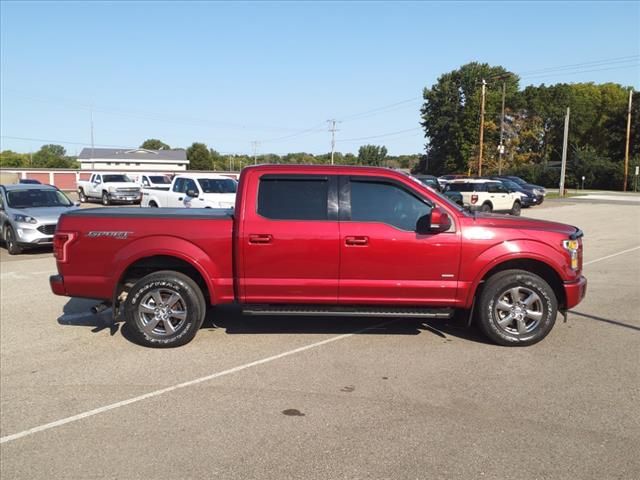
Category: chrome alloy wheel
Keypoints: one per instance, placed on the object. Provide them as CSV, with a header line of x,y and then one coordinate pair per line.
x,y
518,310
162,312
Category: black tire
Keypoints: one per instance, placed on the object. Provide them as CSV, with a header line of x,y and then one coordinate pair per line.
x,y
143,314
81,196
153,204
10,240
106,201
486,208
533,316
515,210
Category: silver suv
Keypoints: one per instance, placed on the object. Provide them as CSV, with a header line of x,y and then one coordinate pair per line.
x,y
29,215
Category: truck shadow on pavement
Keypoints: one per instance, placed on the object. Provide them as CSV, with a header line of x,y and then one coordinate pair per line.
x,y
234,322
76,312
605,320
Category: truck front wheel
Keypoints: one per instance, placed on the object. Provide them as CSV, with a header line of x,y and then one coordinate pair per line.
x,y
164,309
105,199
81,196
517,308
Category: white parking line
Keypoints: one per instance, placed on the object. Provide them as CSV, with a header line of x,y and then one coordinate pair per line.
x,y
155,393
612,255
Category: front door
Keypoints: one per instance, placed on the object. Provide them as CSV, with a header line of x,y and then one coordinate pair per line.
x,y
289,242
382,258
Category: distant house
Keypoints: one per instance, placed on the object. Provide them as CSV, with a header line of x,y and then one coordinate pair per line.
x,y
133,159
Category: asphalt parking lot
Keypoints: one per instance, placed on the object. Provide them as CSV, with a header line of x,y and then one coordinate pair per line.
x,y
313,398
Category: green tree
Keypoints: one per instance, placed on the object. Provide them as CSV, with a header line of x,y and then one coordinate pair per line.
x,y
9,158
372,155
199,157
451,115
50,156
155,144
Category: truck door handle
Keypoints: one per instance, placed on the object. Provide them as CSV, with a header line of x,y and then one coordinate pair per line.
x,y
260,238
356,240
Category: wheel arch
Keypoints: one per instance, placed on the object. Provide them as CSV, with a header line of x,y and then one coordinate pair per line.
x,y
155,263
172,253
533,265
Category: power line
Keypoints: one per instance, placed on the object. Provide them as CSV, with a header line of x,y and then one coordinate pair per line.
x,y
380,135
592,63
48,140
375,111
578,72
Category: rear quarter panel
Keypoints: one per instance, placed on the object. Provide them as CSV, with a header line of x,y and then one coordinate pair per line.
x,y
96,263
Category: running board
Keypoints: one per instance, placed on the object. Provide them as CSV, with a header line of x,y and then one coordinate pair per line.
x,y
346,311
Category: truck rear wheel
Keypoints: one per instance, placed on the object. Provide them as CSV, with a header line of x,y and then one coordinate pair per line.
x,y
164,309
517,308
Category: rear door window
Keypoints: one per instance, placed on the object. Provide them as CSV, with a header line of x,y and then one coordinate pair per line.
x,y
293,198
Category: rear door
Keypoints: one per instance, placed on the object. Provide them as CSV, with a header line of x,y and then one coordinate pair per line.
x,y
289,240
382,258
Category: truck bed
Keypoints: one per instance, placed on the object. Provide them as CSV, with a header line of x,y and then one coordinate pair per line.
x,y
110,240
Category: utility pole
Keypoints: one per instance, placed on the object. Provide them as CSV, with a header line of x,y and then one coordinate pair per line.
x,y
91,114
564,152
501,147
626,147
484,87
254,146
333,131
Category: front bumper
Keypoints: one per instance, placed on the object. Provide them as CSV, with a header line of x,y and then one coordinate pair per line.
x,y
125,197
575,291
34,234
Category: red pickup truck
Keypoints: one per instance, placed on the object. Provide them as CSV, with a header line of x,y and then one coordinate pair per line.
x,y
321,240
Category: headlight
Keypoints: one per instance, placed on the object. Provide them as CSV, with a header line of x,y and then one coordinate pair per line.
x,y
572,246
537,191
24,219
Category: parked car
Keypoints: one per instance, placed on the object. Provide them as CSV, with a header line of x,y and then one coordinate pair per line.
x,y
157,182
527,197
109,188
536,190
29,181
321,240
29,214
431,181
193,190
486,196
444,179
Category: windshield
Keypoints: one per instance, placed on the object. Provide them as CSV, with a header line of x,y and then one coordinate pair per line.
x,y
218,185
160,179
518,180
37,198
115,178
511,185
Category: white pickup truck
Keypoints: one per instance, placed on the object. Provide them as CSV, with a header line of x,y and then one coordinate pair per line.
x,y
109,188
155,181
196,190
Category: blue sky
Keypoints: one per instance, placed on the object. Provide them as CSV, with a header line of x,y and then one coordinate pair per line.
x,y
228,74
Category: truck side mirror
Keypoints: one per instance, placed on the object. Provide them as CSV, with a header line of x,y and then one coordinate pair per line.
x,y
434,222
192,193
